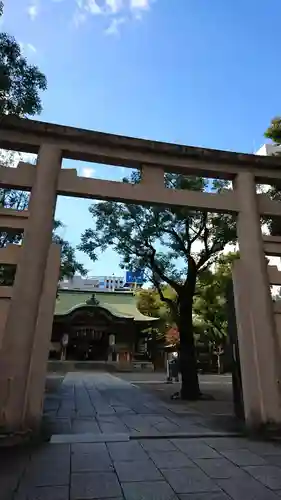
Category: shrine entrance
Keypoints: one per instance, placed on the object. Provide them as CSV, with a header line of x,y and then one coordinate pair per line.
x,y
93,334
23,353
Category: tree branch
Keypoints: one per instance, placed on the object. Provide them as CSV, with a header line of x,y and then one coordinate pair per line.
x,y
168,301
159,272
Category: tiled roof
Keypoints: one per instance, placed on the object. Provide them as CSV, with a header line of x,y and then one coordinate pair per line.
x,y
120,304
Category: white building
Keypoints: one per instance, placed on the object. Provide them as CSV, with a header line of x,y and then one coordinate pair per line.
x,y
268,150
107,283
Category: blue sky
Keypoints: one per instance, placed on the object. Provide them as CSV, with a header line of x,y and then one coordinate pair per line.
x,y
199,72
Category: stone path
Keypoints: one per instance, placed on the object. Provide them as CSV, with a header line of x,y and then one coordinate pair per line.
x,y
101,403
136,462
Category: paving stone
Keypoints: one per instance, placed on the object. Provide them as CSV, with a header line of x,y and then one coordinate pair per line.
x,y
144,470
127,451
95,485
189,480
157,445
137,423
114,426
264,448
170,460
156,419
80,426
154,490
167,427
88,437
93,449
243,457
9,484
59,425
195,449
212,495
269,475
95,457
219,468
248,489
56,454
44,493
273,460
221,443
123,409
48,474
85,412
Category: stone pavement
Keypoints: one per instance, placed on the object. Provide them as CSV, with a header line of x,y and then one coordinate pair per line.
x,y
135,461
102,403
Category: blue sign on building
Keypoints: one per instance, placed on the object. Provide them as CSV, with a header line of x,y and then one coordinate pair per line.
x,y
135,277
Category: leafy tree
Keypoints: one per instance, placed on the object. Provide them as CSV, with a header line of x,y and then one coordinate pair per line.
x,y
20,82
210,308
274,133
174,245
173,336
274,130
69,265
149,303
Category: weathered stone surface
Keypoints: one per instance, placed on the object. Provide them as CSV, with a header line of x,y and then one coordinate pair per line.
x,y
171,460
156,490
97,485
264,448
219,468
243,457
127,451
80,425
48,474
226,443
93,457
189,480
213,495
195,449
144,470
44,493
269,475
248,489
163,445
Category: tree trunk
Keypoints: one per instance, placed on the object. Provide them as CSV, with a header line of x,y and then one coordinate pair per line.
x,y
188,360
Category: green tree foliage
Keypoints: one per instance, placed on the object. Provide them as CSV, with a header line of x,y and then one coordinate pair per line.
x,y
149,303
274,133
210,300
210,307
20,82
174,245
274,130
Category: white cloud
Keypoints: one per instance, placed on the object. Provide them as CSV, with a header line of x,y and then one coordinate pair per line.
x,y
118,11
28,48
31,47
140,4
87,172
33,10
114,6
113,28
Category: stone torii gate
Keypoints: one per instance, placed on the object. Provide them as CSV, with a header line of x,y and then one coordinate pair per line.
x,y
259,343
